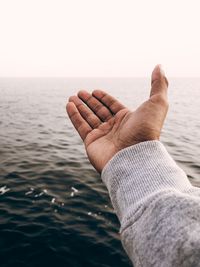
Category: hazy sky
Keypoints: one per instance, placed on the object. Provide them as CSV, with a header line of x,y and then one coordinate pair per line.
x,y
99,37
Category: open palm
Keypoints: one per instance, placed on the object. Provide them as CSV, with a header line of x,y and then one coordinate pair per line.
x,y
106,126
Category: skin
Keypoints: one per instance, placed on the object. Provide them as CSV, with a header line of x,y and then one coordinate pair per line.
x,y
106,126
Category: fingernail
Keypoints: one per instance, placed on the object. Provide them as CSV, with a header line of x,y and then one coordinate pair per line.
x,y
161,69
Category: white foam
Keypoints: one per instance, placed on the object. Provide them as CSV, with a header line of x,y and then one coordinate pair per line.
x,y
74,189
28,193
4,189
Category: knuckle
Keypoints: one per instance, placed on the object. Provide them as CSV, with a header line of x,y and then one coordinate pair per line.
x,y
160,99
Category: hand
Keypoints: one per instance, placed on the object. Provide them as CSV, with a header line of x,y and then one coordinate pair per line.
x,y
106,126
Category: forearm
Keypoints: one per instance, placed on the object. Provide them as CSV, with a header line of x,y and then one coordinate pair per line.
x,y
156,205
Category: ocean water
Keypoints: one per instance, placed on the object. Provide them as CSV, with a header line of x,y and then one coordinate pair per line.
x,y
54,209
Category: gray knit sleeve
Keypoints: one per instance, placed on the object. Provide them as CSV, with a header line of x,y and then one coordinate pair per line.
x,y
158,208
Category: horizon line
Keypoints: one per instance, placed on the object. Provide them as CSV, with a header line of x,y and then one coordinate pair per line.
x,y
92,77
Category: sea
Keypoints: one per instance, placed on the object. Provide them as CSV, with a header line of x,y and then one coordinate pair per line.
x,y
54,208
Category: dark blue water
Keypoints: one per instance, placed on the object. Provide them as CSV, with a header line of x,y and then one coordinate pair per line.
x,y
54,209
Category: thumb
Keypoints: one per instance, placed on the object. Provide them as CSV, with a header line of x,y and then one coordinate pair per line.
x,y
159,82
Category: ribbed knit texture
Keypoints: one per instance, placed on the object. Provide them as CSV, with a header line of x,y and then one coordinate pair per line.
x,y
158,208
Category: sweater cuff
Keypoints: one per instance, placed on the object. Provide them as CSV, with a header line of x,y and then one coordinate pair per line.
x,y
139,172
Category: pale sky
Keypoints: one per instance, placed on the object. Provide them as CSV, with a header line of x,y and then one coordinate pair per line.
x,y
90,38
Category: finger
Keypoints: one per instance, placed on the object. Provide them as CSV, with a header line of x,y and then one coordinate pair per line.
x,y
79,123
85,112
159,82
99,109
113,104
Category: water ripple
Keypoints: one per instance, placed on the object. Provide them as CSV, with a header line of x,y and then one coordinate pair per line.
x,y
44,220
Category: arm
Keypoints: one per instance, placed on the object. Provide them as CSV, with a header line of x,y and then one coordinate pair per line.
x,y
157,207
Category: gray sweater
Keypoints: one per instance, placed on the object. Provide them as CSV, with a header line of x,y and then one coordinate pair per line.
x,y
158,208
